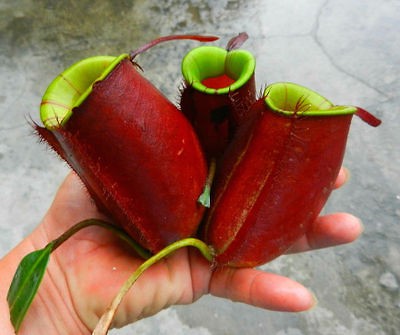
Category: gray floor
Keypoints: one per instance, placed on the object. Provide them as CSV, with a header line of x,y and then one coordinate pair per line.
x,y
347,50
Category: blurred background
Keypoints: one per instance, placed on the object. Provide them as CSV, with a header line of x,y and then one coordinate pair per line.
x,y
347,50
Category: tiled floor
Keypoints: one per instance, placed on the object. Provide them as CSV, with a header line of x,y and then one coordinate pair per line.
x,y
349,51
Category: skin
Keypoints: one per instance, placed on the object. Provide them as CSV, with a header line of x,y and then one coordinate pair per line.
x,y
86,272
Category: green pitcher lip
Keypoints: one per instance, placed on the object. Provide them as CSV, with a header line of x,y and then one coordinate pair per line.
x,y
71,87
209,61
290,99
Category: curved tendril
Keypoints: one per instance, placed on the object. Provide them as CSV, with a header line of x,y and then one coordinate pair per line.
x,y
200,38
105,321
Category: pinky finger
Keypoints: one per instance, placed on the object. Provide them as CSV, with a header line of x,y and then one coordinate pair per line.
x,y
342,178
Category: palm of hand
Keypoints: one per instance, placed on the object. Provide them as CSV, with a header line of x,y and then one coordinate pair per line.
x,y
93,265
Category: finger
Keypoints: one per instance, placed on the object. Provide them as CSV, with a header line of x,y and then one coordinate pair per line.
x,y
329,230
342,178
261,289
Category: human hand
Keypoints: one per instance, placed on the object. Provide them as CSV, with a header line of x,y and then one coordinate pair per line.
x,y
86,272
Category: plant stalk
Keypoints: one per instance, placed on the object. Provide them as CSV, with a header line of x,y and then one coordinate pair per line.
x,y
104,323
143,253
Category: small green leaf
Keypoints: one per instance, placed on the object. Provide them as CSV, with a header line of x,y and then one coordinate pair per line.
x,y
26,282
204,198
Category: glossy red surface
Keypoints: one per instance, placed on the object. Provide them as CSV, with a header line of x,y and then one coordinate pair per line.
x,y
138,156
273,181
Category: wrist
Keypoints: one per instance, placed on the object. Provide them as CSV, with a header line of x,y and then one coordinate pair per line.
x,y
52,309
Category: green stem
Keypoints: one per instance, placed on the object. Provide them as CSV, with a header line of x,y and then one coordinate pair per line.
x,y
104,323
205,197
143,253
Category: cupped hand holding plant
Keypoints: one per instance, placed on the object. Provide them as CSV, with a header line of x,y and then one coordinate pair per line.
x,y
149,168
86,272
